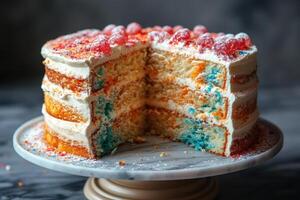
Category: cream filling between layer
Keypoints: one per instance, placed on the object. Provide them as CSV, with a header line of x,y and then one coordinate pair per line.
x,y
69,131
78,72
61,93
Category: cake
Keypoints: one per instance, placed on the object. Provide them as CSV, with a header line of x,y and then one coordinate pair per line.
x,y
106,87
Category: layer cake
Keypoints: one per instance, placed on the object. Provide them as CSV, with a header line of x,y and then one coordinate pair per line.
x,y
106,87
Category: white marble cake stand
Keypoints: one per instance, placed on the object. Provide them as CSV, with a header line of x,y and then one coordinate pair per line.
x,y
156,169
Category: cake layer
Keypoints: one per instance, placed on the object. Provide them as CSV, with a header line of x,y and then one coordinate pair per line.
x,y
196,102
73,84
73,132
121,70
244,82
195,72
119,100
243,74
53,140
163,64
72,71
244,106
62,110
199,134
61,93
127,127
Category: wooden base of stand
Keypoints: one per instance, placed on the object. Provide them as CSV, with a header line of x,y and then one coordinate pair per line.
x,y
194,189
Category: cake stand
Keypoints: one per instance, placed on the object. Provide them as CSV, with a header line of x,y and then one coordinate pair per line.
x,y
157,169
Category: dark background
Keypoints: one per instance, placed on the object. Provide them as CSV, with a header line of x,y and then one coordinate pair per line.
x,y
274,26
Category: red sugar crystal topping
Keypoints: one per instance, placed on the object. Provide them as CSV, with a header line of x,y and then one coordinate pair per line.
x,y
107,30
229,44
133,28
244,41
226,45
199,29
158,36
118,36
88,43
100,44
205,41
182,35
117,39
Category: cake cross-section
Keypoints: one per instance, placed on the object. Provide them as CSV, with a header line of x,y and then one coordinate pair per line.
x,y
106,87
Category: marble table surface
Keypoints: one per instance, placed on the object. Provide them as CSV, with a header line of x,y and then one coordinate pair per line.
x,y
276,179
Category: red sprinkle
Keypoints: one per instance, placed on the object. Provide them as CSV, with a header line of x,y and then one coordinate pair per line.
x,y
100,44
199,30
50,149
118,36
63,153
133,28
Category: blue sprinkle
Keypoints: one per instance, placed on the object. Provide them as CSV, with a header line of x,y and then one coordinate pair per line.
x,y
195,135
212,75
208,88
191,110
243,53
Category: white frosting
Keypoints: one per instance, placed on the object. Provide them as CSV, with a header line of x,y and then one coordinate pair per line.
x,y
68,130
62,93
80,106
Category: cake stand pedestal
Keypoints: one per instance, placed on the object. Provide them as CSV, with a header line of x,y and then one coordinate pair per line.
x,y
98,188
157,169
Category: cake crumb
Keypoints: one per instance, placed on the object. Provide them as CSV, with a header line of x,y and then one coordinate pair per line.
x,y
122,163
20,183
163,154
